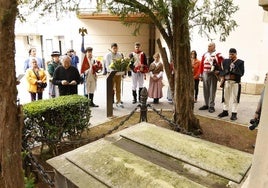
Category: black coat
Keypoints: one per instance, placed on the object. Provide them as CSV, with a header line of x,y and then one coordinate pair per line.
x,y
238,69
69,74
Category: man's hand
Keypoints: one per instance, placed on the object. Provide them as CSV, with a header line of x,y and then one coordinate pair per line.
x,y
64,82
73,82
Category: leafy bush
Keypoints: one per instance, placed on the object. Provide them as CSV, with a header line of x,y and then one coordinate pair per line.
x,y
49,121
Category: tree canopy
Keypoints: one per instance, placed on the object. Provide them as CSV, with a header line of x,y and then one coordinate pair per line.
x,y
175,19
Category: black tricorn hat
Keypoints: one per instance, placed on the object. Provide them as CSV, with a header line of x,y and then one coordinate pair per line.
x,y
55,53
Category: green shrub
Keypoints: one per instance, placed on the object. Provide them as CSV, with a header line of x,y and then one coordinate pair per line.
x,y
49,121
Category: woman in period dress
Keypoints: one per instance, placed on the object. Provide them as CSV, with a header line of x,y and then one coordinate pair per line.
x,y
156,77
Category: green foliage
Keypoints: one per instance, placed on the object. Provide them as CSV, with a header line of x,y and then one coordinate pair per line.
x,y
120,64
39,8
29,182
212,17
49,121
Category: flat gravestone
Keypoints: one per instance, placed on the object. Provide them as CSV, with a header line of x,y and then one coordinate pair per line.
x,y
149,156
224,161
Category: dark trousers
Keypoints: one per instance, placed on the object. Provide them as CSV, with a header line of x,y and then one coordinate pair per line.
x,y
196,88
39,96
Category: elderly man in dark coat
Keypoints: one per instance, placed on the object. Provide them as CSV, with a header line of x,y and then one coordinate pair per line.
x,y
66,77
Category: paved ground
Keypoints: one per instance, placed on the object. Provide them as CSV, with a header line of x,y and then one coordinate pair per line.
x,y
245,112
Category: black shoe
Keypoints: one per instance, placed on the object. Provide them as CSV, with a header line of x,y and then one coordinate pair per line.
x,y
205,107
233,117
252,127
211,109
223,114
134,101
93,105
156,101
254,123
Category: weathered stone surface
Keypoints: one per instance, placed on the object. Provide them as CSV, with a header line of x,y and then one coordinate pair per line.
x,y
74,174
149,156
229,163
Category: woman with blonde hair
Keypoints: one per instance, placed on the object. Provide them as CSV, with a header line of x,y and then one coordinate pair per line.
x,y
156,77
36,78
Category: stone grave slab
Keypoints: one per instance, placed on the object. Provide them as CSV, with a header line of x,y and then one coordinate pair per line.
x,y
223,161
148,156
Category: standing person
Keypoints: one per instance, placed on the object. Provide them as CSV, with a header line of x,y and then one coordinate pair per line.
x,y
232,71
104,68
138,68
209,71
257,116
53,90
75,60
66,77
196,73
156,76
91,76
109,58
36,78
32,54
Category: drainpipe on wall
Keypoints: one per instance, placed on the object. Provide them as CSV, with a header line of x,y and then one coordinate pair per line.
x,y
42,51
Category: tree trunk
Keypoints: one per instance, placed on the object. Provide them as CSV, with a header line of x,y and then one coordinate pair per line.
x,y
183,76
10,113
167,67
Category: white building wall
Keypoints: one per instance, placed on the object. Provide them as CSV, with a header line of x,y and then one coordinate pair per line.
x,y
250,39
100,36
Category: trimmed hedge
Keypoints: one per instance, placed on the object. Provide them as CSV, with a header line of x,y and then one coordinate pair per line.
x,y
48,121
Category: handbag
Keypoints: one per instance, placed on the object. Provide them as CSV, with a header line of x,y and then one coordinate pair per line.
x,y
40,85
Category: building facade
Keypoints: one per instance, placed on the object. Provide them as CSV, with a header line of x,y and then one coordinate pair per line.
x,y
249,38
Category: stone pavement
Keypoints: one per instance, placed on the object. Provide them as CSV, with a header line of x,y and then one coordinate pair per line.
x,y
246,107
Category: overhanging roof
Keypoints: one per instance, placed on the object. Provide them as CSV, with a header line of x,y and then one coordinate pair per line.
x,y
109,17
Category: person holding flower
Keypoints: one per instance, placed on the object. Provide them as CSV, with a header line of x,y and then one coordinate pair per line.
x,y
94,66
138,67
110,59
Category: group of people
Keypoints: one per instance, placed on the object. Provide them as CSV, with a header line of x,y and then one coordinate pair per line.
x,y
138,67
214,68
63,75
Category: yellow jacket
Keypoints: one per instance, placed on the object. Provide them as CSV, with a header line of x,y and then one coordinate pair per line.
x,y
32,79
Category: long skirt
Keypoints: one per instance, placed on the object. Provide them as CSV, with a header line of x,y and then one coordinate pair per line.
x,y
155,88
